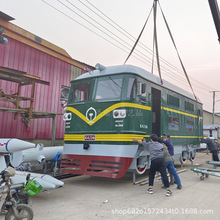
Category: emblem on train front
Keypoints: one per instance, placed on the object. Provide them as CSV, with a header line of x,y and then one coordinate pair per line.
x,y
91,115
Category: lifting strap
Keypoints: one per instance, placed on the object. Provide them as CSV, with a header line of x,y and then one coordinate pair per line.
x,y
138,37
184,70
156,42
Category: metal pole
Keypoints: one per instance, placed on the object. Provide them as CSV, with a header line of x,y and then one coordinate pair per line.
x,y
213,109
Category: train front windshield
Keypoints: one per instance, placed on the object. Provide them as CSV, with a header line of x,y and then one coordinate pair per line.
x,y
106,88
81,92
109,88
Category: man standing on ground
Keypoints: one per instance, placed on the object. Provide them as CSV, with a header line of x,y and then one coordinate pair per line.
x,y
157,162
169,144
169,164
217,145
212,148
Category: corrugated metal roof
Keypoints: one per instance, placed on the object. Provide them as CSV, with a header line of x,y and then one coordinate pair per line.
x,y
20,34
5,17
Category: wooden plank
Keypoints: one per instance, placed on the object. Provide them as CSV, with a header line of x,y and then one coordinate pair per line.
x,y
13,110
19,76
17,101
32,101
36,114
158,177
15,97
53,136
12,71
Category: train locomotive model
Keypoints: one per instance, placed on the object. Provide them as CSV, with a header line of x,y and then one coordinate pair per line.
x,y
110,106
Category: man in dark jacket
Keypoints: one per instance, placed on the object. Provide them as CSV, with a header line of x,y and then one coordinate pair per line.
x,y
212,148
169,144
157,162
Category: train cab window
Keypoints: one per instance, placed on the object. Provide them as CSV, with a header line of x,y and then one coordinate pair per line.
x,y
109,87
132,88
81,92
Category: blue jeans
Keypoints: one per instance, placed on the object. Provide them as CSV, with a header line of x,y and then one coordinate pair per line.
x,y
172,170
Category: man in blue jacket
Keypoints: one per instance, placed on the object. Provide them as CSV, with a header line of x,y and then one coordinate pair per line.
x,y
169,144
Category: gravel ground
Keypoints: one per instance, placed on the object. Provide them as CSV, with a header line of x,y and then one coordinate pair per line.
x,y
86,197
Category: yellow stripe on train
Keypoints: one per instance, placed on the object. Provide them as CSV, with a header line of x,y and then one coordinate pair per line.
x,y
106,111
119,105
103,137
179,112
111,137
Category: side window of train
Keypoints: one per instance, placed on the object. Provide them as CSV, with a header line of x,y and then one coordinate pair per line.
x,y
136,88
189,106
173,101
132,88
142,90
199,114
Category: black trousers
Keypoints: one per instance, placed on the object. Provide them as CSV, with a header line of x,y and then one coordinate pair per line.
x,y
160,166
215,155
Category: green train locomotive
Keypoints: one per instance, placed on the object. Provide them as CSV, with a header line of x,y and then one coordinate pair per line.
x,y
110,106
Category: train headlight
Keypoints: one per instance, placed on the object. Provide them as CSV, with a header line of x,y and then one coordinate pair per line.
x,y
119,113
67,116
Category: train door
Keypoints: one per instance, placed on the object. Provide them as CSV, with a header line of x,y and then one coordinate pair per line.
x,y
156,109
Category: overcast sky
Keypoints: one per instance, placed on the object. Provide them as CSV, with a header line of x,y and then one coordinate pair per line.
x,y
104,31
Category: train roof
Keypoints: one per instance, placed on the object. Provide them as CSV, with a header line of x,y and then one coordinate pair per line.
x,y
102,71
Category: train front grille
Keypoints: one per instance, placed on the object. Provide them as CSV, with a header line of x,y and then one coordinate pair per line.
x,y
112,167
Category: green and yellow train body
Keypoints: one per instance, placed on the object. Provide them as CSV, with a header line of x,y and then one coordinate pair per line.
x,y
110,106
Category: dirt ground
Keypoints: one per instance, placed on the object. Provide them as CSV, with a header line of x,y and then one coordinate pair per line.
x,y
86,197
